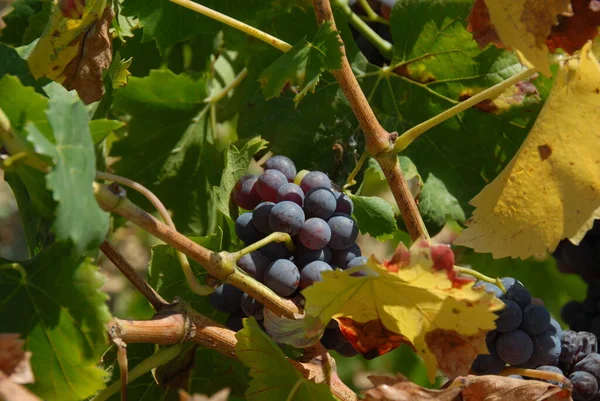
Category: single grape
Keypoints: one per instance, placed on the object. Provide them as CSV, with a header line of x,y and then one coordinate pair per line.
x,y
509,318
508,282
305,255
569,310
343,203
585,386
320,202
536,319
358,261
301,174
570,345
255,264
546,348
269,183
488,364
555,328
553,369
342,257
251,307
589,345
290,192
489,287
514,347
286,217
519,294
245,194
333,339
490,337
283,164
346,350
245,230
260,217
235,321
315,179
275,251
516,377
226,298
343,232
311,273
315,233
282,277
590,364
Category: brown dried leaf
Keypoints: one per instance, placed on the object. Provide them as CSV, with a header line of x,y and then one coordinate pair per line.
x,y
401,389
222,395
572,33
14,362
455,352
84,73
484,32
500,388
5,8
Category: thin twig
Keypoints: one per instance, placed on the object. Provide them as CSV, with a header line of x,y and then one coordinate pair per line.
x,y
379,142
232,22
233,84
139,283
481,276
191,279
123,370
18,148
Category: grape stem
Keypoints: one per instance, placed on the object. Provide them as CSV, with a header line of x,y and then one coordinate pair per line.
x,y
190,278
480,276
409,136
273,237
228,88
384,47
379,142
19,149
537,374
372,16
232,22
351,181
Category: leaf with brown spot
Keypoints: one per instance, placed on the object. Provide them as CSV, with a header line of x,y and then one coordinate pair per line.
x,y
573,32
14,362
455,352
401,389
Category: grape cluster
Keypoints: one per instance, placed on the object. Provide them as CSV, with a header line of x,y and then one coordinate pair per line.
x,y
584,316
526,336
317,217
582,259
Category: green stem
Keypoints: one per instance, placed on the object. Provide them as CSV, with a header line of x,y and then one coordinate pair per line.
x,y
409,136
372,16
381,44
273,237
351,181
480,276
233,84
18,147
232,22
160,358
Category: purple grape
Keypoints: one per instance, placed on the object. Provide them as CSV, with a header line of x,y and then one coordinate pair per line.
x,y
305,255
245,194
490,288
290,192
333,339
315,234
571,343
255,264
590,364
245,230
226,298
275,251
234,321
343,232
514,347
260,217
282,277
555,328
569,310
488,364
536,319
342,257
546,349
286,217
359,261
508,282
320,202
283,164
269,183
311,273
509,318
519,294
251,307
553,369
585,386
589,345
343,203
315,179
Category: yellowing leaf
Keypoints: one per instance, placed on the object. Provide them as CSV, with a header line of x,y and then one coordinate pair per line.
x,y
551,188
525,24
422,297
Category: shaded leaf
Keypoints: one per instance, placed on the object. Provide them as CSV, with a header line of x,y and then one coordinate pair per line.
x,y
374,216
62,317
555,173
301,66
222,395
12,64
5,8
437,205
274,378
425,277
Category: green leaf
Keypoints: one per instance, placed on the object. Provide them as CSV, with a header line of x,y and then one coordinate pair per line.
x,y
17,21
54,301
11,63
236,165
166,276
273,377
168,147
78,215
301,67
374,216
437,205
99,129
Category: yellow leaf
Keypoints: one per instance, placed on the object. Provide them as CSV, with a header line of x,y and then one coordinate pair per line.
x,y
551,188
62,40
525,24
413,301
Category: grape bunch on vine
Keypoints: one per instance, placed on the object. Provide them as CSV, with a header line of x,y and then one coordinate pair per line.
x,y
299,200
